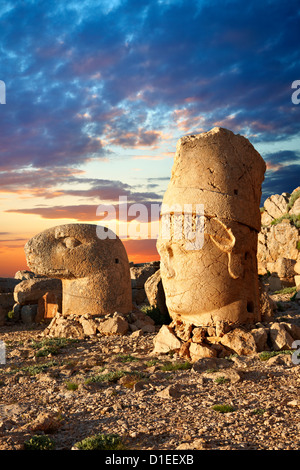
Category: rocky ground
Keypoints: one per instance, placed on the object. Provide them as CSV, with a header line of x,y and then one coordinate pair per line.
x,y
69,390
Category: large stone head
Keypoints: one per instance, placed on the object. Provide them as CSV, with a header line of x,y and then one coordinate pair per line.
x,y
90,267
208,236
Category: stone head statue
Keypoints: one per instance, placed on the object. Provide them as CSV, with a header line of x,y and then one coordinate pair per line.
x,y
210,219
95,272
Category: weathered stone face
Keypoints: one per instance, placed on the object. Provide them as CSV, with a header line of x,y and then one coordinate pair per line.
x,y
95,273
217,280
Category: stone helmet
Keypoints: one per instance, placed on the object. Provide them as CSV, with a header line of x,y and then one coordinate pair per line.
x,y
224,173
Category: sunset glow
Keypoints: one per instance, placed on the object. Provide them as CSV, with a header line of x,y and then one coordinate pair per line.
x,y
98,94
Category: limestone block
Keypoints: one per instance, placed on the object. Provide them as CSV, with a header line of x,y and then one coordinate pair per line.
x,y
213,278
276,205
155,292
280,337
30,291
28,313
239,341
94,270
48,306
165,341
116,325
199,351
295,210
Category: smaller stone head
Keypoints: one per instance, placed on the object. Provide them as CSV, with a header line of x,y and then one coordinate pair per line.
x,y
95,272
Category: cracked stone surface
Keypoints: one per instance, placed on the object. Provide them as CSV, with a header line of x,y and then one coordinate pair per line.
x,y
87,265
214,279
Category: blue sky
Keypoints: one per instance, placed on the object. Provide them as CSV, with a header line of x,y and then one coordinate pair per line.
x,y
99,92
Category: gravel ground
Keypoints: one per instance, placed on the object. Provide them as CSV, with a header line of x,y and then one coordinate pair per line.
x,y
116,385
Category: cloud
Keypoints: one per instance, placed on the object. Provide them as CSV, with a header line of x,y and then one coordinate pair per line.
x,y
89,77
283,180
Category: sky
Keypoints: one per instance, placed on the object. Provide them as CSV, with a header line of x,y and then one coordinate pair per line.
x,y
99,92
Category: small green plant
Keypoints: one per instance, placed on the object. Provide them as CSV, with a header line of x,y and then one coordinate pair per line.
x,y
176,366
10,314
298,245
72,386
221,380
293,199
101,442
111,377
286,290
266,355
151,363
293,219
258,411
223,408
39,442
126,358
37,369
212,370
50,346
156,315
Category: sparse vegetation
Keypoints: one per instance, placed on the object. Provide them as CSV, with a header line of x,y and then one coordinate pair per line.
x,y
293,219
293,199
286,290
50,346
266,355
176,366
33,369
72,386
101,442
221,380
108,377
223,408
126,358
39,442
258,411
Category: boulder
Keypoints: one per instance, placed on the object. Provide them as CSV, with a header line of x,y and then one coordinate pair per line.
x,y
28,313
199,351
116,325
260,336
7,286
166,341
24,274
30,291
155,292
276,205
240,342
139,273
280,338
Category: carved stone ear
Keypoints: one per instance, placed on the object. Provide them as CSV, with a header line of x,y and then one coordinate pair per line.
x,y
221,235
236,266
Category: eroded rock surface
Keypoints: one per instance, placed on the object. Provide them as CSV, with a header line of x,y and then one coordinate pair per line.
x,y
215,280
94,272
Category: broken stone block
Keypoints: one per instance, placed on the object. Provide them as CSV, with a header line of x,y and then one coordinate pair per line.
x,y
165,341
198,351
116,325
48,306
240,342
260,336
281,339
30,291
28,313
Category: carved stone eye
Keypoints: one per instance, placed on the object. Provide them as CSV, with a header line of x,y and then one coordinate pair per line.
x,y
71,242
